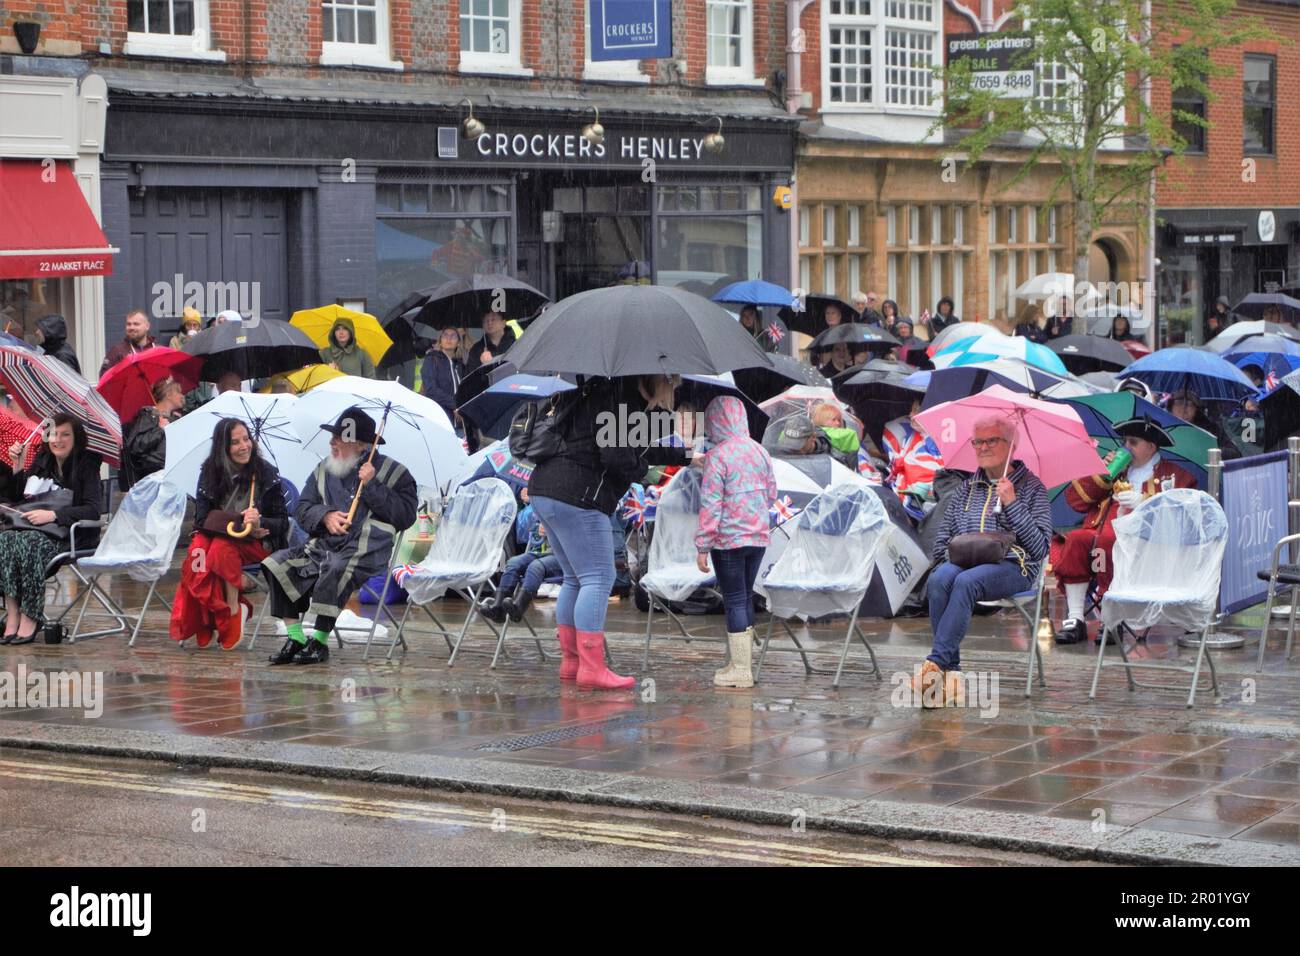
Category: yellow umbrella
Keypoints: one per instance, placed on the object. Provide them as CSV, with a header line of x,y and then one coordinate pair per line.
x,y
318,322
305,378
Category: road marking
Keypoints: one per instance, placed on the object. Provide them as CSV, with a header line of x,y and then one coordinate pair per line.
x,y
642,836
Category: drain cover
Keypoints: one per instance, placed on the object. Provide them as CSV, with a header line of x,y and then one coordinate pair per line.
x,y
511,744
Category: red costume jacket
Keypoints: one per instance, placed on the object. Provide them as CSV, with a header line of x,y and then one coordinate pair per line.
x,y
1092,495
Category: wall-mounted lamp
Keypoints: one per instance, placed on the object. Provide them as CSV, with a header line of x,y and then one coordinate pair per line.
x,y
470,127
715,142
593,132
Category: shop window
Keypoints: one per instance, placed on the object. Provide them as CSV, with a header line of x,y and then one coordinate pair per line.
x,y
708,251
490,40
173,28
1258,106
355,33
730,42
24,301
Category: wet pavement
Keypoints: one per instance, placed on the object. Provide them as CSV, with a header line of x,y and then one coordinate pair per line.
x,y
1226,773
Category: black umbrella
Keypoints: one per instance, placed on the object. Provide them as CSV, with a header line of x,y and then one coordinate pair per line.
x,y
255,348
762,383
856,336
461,303
699,390
1280,410
636,330
877,392
1253,306
474,384
1091,353
811,319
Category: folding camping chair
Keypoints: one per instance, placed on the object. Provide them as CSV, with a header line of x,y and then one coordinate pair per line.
x,y
505,630
1021,602
826,568
140,542
1168,560
1287,575
466,553
673,574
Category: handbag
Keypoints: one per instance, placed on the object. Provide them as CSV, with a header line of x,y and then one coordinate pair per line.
x,y
979,547
216,520
536,432
12,518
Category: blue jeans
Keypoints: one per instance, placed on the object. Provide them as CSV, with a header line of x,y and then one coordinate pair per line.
x,y
953,592
736,569
584,546
533,568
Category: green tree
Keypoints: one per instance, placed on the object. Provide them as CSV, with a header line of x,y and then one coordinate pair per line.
x,y
1087,117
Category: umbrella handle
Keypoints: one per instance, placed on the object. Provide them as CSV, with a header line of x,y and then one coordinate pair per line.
x,y
356,499
247,528
997,506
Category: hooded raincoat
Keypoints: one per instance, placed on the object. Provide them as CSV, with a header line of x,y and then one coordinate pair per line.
x,y
739,485
54,332
350,359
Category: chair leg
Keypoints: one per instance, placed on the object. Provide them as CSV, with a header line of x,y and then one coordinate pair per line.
x,y
1268,616
401,626
875,666
762,654
1196,670
501,642
1096,674
1290,626
140,620
261,620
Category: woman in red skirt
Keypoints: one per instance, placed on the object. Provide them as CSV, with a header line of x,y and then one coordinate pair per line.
x,y
209,602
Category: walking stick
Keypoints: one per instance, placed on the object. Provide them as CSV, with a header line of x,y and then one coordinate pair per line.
x,y
356,499
247,528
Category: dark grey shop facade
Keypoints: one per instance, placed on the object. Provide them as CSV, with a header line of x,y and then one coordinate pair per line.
x,y
312,202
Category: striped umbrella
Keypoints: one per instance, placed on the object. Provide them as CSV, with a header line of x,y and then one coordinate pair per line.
x,y
43,387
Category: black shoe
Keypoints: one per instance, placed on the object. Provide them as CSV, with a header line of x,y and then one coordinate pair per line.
x,y
1073,631
8,638
287,653
494,608
316,652
516,606
1103,632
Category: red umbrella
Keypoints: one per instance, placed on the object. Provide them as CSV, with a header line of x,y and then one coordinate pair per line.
x,y
128,385
15,428
1137,348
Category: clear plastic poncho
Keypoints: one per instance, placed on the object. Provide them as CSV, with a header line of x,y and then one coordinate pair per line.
x,y
826,567
673,574
142,537
1168,558
467,548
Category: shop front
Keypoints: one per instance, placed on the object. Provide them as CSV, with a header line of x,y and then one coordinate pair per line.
x,y
1207,253
362,204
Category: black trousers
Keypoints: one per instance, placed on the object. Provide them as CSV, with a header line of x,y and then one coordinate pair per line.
x,y
282,606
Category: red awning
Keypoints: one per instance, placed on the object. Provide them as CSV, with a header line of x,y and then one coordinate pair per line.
x,y
46,228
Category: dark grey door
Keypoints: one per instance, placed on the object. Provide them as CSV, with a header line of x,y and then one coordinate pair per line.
x,y
230,241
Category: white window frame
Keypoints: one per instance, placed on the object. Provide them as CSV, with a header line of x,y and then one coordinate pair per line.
x,y
615,71
194,46
509,63
936,225
891,277
958,291
1013,280
855,275
805,229
879,22
913,225
1031,225
959,227
1013,225
805,272
854,238
913,285
936,278
377,55
830,274
891,225
1051,224
994,270
742,75
828,225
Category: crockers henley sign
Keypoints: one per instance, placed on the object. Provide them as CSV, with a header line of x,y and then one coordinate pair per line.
x,y
998,61
631,29
679,147
572,146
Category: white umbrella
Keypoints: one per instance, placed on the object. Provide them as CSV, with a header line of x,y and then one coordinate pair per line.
x,y
269,420
389,394
961,330
431,453
804,398
1048,285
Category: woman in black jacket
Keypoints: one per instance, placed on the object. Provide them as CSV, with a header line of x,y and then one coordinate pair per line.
x,y
575,492
237,490
54,340
442,371
66,475
144,448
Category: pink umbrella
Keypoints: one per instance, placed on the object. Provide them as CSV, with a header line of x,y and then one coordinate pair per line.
x,y
1050,437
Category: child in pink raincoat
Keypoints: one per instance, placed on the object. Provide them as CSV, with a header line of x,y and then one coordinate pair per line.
x,y
736,493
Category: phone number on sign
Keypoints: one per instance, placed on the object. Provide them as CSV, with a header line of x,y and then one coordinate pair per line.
x,y
1018,83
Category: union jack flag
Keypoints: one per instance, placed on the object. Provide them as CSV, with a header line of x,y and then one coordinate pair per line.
x,y
783,509
1270,381
775,332
640,506
925,315
402,572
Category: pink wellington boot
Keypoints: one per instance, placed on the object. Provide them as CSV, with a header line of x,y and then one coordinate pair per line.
x,y
568,638
592,672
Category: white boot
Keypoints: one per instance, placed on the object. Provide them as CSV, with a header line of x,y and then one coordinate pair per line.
x,y
738,672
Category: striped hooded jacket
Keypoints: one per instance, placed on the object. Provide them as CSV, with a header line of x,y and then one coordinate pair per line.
x,y
970,509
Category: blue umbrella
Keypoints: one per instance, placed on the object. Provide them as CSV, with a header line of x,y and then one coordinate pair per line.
x,y
493,408
1275,366
1225,342
755,292
961,381
1208,375
7,339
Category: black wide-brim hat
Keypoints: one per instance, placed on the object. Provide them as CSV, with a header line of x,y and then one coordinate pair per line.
x,y
363,426
1145,429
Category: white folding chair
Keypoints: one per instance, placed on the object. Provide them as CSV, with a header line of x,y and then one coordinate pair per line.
x,y
140,542
1035,597
466,552
673,574
1168,559
826,568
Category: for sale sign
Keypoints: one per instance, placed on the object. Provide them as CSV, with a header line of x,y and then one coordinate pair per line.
x,y
1000,63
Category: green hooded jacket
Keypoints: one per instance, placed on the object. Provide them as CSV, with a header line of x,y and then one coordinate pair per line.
x,y
350,360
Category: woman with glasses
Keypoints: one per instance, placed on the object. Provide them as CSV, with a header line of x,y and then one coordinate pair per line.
x,y
1086,553
1001,496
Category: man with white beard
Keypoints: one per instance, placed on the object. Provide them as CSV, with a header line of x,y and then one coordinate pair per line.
x,y
321,575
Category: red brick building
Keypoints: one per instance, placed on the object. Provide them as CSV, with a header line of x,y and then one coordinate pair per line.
x,y
315,150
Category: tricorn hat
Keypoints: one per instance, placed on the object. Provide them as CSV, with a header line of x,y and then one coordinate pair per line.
x,y
353,425
1145,429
